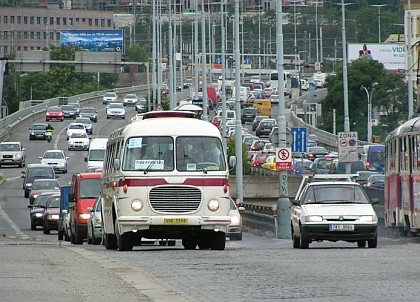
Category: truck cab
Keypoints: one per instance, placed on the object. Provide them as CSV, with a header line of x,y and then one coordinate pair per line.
x,y
85,189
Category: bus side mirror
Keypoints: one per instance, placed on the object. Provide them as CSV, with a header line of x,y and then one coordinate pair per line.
x,y
232,161
116,163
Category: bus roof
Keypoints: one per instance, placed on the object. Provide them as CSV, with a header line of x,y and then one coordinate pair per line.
x,y
161,114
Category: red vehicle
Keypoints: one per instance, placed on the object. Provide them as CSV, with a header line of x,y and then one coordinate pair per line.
x,y
258,159
54,113
85,189
51,214
212,95
217,120
402,178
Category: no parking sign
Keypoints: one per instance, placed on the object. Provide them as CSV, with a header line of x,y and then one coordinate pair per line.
x,y
283,159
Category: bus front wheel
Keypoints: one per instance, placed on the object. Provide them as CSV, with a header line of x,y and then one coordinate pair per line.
x,y
124,241
218,241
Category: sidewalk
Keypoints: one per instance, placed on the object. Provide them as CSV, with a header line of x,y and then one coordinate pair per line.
x,y
53,271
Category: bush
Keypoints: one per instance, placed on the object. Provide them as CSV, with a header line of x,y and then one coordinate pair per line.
x,y
246,163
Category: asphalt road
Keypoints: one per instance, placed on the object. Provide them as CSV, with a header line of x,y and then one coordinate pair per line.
x,y
36,267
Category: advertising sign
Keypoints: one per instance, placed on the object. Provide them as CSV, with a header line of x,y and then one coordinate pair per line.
x,y
391,55
94,40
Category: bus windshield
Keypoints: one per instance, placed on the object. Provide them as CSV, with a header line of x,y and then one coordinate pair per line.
x,y
196,154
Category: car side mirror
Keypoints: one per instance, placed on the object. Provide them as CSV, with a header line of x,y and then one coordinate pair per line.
x,y
85,159
64,212
23,149
374,200
90,209
30,206
296,202
40,157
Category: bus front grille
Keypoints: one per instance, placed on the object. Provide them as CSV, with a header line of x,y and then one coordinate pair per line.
x,y
175,199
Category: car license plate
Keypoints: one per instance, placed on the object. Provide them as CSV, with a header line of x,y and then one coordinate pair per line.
x,y
7,160
342,227
175,220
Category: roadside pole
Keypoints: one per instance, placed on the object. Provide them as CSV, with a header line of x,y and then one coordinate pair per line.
x,y
2,70
283,202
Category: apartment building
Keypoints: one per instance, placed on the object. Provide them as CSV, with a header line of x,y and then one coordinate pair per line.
x,y
26,28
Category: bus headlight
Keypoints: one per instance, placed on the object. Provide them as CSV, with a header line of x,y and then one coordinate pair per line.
x,y
136,205
213,205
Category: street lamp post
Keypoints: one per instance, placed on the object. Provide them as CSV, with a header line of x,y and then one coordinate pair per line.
x,y
379,18
317,67
369,113
31,90
294,23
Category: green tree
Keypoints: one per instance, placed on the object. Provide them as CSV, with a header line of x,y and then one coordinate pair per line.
x,y
246,163
389,96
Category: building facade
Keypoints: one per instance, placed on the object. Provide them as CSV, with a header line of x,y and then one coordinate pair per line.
x,y
24,29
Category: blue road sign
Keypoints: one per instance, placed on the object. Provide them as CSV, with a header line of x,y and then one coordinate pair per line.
x,y
219,61
299,140
247,61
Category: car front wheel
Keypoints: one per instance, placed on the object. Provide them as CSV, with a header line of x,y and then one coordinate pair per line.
x,y
303,242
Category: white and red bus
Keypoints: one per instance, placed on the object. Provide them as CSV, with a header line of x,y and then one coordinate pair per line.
x,y
166,177
402,178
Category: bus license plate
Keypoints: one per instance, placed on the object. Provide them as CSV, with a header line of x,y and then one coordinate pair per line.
x,y
342,227
175,220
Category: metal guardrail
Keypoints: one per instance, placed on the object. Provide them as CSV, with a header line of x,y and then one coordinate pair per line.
x,y
10,121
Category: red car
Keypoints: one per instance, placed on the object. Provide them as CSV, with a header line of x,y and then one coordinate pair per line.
x,y
216,121
54,113
52,214
258,159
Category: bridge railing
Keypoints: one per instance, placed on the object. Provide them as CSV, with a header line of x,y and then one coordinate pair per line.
x,y
8,122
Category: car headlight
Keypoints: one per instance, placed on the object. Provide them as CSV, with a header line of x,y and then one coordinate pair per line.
x,y
35,196
84,216
53,217
18,155
62,164
234,220
136,205
313,219
28,185
39,214
32,133
369,218
213,205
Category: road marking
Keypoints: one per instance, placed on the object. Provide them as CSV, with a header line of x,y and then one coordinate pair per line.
x,y
13,225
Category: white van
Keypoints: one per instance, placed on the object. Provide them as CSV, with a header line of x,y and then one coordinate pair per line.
x,y
230,114
95,158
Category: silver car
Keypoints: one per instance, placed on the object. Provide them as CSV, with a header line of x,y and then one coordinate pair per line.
x,y
235,227
12,153
130,100
109,97
57,159
94,223
115,110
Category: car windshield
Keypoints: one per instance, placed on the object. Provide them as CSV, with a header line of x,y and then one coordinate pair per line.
x,y
323,164
377,178
54,109
83,121
96,155
115,106
79,135
41,199
54,155
45,185
67,107
75,105
130,96
54,202
46,172
334,194
90,188
303,164
9,147
109,95
74,126
317,150
39,127
87,110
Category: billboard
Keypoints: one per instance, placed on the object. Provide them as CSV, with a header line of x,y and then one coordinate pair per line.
x,y
391,55
94,40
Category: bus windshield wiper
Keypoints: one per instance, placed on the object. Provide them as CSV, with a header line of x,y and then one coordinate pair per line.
x,y
153,162
194,162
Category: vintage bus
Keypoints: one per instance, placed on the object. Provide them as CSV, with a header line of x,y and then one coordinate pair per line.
x,y
166,177
402,178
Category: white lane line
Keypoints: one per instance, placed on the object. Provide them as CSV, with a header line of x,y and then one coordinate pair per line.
x,y
13,225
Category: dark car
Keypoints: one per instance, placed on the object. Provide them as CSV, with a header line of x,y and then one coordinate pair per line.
x,y
43,185
340,167
37,209
265,126
249,114
37,131
364,175
77,107
69,111
52,214
89,112
36,171
315,152
257,121
376,181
